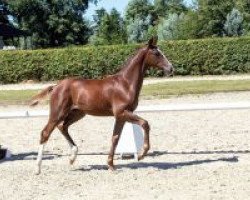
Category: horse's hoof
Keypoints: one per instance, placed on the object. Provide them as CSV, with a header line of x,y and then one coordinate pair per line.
x,y
140,157
71,162
38,172
111,168
73,156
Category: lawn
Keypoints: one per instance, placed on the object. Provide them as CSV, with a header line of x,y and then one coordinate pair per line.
x,y
164,90
16,96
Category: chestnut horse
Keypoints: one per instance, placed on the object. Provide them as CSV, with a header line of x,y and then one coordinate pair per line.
x,y
116,95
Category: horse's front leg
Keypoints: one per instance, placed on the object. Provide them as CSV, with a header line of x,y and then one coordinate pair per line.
x,y
130,117
115,138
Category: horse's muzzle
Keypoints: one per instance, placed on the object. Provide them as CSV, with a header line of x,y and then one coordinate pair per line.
x,y
169,71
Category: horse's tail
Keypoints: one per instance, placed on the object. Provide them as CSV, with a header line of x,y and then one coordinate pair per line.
x,y
37,98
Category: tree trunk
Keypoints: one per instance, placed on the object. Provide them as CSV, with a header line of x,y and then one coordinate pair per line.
x,y
1,42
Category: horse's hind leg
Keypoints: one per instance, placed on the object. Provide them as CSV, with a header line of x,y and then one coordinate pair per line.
x,y
72,117
45,134
59,109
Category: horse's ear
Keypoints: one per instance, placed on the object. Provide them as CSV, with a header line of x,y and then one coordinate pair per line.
x,y
150,42
153,41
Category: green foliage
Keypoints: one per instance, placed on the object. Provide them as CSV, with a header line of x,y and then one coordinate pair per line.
x,y
244,7
137,30
178,27
138,9
142,17
163,8
189,57
4,12
110,28
139,19
53,23
212,16
171,27
234,23
190,25
97,17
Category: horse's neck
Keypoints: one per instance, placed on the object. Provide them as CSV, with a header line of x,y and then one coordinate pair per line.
x,y
134,72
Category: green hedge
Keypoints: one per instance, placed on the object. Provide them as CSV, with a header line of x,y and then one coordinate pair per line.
x,y
191,57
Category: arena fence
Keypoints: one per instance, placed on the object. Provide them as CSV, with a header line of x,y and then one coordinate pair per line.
x,y
143,109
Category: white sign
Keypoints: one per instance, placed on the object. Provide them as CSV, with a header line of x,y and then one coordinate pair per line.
x,y
131,140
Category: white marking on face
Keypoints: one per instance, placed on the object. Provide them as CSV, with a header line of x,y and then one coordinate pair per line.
x,y
163,56
160,52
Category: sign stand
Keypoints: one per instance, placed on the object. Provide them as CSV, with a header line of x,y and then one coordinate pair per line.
x,y
2,153
131,140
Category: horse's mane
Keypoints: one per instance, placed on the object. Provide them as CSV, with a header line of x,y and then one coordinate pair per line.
x,y
128,60
125,64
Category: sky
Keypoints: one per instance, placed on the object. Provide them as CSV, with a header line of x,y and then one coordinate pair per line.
x,y
120,5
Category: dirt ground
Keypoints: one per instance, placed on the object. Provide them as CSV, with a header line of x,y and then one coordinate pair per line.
x,y
194,155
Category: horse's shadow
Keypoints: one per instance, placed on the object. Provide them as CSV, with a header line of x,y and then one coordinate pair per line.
x,y
214,152
160,165
28,156
138,165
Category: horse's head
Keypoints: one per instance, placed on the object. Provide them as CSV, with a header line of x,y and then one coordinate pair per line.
x,y
155,58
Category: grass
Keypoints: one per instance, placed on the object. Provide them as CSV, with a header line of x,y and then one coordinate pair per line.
x,y
163,90
16,96
154,91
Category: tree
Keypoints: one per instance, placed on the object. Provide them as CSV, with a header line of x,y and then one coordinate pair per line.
x,y
244,7
98,17
53,22
139,19
234,23
143,17
185,26
165,7
137,29
4,12
138,9
171,28
110,29
212,16
118,27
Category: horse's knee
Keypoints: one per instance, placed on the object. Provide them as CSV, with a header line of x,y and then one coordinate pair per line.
x,y
46,132
63,128
145,126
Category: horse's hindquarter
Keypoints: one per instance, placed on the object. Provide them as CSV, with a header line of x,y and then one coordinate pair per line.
x,y
92,96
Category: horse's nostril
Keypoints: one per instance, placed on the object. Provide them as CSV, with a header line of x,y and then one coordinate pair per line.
x,y
169,70
172,69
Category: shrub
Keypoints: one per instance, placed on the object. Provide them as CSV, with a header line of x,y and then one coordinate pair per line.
x,y
189,57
